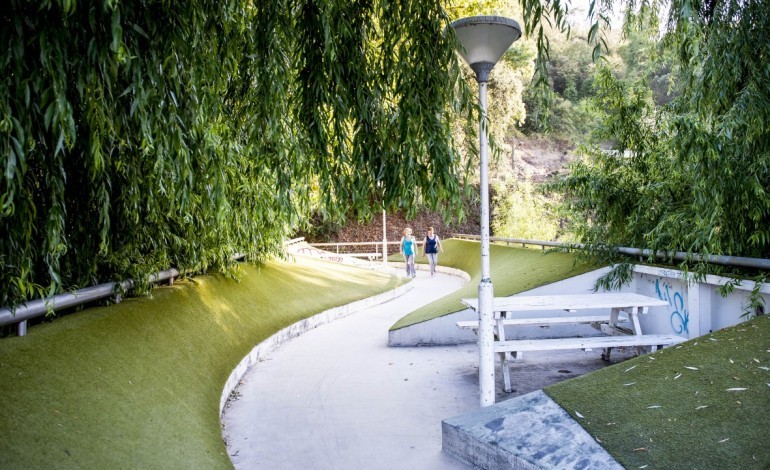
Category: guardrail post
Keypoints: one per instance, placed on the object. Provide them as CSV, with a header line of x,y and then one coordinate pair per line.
x,y
21,328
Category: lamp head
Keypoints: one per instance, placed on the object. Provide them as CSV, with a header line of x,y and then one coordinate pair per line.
x,y
484,40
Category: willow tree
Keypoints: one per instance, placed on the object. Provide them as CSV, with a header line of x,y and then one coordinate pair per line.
x,y
693,175
140,134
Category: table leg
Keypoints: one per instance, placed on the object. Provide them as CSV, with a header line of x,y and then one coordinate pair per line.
x,y
504,365
634,317
614,314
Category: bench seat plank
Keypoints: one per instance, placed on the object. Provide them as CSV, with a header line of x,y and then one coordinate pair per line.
x,y
568,302
545,321
589,342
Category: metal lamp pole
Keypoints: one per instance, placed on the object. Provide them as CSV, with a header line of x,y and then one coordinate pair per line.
x,y
483,41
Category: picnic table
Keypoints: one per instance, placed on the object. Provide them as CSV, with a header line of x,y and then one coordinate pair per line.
x,y
517,311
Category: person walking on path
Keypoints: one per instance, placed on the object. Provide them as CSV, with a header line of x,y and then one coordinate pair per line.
x,y
408,250
430,248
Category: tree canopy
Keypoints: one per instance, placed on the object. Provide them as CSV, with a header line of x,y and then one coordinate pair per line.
x,y
692,175
141,134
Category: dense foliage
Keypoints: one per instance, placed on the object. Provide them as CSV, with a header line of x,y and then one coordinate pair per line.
x,y
140,134
693,175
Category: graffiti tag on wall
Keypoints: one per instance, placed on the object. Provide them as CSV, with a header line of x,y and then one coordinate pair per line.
x,y
680,317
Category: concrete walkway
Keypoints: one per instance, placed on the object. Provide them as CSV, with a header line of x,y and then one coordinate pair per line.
x,y
338,397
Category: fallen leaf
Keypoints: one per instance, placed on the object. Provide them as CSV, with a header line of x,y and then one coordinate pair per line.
x,y
701,407
756,360
732,362
764,368
677,376
577,413
640,449
632,367
629,383
654,406
736,389
712,339
691,368
724,440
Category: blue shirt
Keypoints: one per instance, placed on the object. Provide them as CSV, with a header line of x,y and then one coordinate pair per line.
x,y
407,246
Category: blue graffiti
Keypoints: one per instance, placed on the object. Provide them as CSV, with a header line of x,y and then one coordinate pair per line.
x,y
680,317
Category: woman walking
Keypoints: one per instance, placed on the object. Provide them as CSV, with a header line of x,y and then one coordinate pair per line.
x,y
408,250
430,249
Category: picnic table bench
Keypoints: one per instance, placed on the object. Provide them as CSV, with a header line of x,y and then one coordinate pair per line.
x,y
518,311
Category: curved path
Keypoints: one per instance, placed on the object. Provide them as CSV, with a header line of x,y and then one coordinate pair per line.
x,y
338,397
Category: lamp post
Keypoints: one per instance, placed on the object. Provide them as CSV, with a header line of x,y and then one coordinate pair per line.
x,y
483,41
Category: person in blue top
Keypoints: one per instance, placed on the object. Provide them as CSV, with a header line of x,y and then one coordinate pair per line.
x,y
430,248
408,250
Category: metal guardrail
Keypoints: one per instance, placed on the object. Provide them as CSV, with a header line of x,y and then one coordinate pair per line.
x,y
757,263
40,307
377,246
521,241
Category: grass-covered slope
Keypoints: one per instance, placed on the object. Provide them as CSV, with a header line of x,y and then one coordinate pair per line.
x,y
704,404
137,385
512,270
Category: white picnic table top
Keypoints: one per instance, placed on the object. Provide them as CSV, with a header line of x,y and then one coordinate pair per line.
x,y
521,303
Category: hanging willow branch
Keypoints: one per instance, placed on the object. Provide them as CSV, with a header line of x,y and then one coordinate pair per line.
x,y
141,134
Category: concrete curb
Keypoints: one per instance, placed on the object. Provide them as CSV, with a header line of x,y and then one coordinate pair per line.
x,y
270,344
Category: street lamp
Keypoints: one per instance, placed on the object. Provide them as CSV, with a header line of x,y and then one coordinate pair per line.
x,y
483,41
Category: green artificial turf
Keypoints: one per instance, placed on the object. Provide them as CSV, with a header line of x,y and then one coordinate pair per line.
x,y
512,270
138,384
704,404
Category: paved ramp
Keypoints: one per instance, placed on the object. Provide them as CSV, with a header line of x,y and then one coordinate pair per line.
x,y
338,397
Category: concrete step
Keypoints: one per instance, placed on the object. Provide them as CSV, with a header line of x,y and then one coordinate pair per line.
x,y
526,432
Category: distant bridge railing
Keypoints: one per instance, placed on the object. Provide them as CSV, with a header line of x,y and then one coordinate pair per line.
x,y
353,247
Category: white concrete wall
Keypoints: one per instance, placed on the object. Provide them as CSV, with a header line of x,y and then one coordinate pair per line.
x,y
694,309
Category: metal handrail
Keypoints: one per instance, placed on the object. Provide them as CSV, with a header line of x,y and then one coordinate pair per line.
x,y
39,307
740,261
